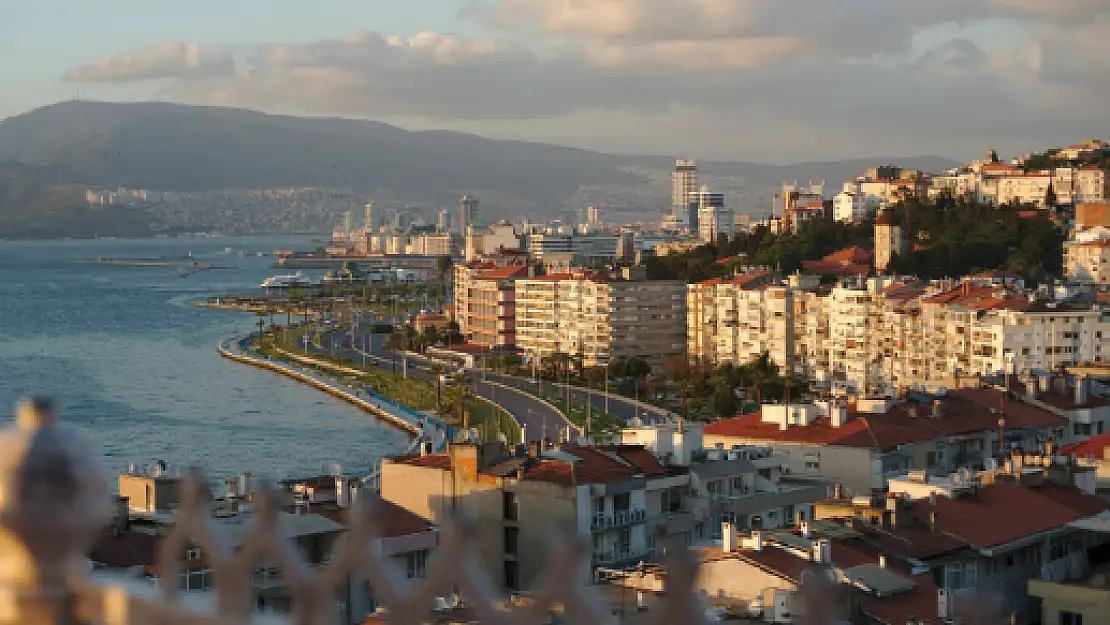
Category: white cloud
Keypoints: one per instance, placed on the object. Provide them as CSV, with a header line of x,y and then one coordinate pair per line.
x,y
756,79
172,60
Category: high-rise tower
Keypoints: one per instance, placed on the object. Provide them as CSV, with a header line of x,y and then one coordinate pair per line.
x,y
684,181
368,217
468,213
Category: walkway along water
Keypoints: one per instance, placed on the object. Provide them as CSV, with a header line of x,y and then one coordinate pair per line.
x,y
423,427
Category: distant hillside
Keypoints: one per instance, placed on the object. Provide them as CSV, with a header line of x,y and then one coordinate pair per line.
x,y
40,202
175,147
166,146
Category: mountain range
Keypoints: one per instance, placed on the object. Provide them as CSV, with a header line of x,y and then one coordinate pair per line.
x,y
174,147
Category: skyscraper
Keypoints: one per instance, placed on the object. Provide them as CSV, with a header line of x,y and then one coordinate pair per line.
x,y
684,181
468,213
713,220
443,220
368,217
593,216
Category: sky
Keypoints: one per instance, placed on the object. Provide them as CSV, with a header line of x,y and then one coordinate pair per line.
x,y
754,80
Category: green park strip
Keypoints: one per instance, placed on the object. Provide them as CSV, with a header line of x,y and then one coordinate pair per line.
x,y
415,393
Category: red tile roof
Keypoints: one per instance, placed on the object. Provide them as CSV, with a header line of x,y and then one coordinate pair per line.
x,y
504,273
396,520
596,465
997,514
961,412
917,541
1094,446
850,256
1073,498
431,461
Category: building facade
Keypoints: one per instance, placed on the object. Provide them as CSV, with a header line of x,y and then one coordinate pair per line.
x,y
601,317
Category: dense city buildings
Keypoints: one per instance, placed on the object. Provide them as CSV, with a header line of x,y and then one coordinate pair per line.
x,y
601,316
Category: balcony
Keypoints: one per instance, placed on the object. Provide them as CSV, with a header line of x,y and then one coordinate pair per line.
x,y
621,555
621,518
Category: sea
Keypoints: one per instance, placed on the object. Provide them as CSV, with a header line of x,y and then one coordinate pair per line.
x,y
129,361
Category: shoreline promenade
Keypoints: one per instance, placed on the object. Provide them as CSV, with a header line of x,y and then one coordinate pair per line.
x,y
423,427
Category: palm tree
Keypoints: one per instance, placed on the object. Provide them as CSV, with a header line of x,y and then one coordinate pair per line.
x,y
458,393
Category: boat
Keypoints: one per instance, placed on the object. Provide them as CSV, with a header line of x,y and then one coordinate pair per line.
x,y
287,281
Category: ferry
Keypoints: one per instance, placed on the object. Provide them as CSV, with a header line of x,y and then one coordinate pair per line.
x,y
288,281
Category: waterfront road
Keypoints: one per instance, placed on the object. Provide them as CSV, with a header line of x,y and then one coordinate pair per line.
x,y
617,405
536,417
622,407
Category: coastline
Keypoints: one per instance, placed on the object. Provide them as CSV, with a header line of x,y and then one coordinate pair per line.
x,y
415,426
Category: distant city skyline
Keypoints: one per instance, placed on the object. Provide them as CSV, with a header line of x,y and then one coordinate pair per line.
x,y
756,80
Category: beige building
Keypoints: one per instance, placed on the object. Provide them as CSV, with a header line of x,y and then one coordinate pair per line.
x,y
889,241
601,316
737,319
518,502
1088,261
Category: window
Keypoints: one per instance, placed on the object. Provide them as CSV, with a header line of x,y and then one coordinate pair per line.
x,y
512,575
959,575
192,553
1070,618
200,579
512,538
416,564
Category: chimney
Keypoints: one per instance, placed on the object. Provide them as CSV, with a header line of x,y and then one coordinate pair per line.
x,y
936,408
1044,382
839,414
728,537
535,449
245,485
757,540
804,526
1049,448
822,551
837,491
1081,390
341,492
1060,384
882,560
932,498
933,519
1030,387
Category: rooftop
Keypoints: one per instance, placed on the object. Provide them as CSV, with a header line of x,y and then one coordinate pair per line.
x,y
959,412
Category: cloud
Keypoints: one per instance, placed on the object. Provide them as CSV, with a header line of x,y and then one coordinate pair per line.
x,y
174,60
746,79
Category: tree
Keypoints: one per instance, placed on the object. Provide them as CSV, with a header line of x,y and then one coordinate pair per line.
x,y
458,394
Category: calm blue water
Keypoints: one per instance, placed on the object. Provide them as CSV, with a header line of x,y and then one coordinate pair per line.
x,y
131,363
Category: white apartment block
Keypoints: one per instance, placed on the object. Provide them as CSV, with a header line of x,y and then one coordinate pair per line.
x,y
1029,188
885,336
738,319
851,207
1079,184
1087,257
601,317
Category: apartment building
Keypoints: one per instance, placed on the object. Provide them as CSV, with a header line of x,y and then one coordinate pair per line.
x,y
883,335
601,316
485,300
744,486
729,320
860,442
1087,260
518,500
976,536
